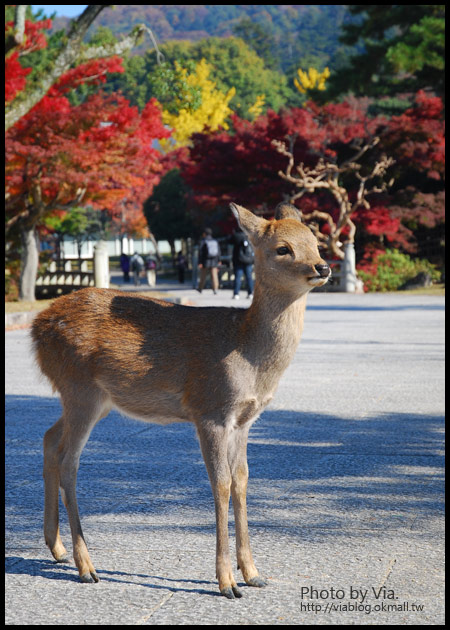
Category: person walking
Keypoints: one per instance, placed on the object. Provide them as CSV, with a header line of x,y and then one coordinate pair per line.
x,y
137,266
150,269
209,260
125,266
243,259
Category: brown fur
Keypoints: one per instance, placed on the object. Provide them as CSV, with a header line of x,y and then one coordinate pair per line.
x,y
162,362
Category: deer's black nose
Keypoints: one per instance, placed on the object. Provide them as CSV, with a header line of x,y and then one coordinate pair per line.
x,y
322,270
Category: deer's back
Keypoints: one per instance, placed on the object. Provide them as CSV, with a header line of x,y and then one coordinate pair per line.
x,y
142,352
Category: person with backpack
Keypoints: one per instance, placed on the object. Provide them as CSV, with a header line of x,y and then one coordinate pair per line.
x,y
137,266
209,260
243,259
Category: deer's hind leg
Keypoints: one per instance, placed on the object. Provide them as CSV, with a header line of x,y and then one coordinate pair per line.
x,y
51,484
63,445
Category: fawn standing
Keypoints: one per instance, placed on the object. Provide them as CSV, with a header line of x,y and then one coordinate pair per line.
x,y
102,348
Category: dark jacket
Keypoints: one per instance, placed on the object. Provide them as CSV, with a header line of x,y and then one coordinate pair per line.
x,y
238,239
203,257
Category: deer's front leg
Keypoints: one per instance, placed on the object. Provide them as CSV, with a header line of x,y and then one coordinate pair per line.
x,y
237,458
213,442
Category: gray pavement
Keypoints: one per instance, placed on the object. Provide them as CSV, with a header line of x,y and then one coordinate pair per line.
x,y
344,498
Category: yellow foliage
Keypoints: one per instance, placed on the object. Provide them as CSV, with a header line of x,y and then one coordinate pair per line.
x,y
311,80
256,109
211,114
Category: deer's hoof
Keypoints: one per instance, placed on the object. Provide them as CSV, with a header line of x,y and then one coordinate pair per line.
x,y
231,592
257,581
89,578
62,559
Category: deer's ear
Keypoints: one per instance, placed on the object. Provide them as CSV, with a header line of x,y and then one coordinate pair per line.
x,y
249,222
287,211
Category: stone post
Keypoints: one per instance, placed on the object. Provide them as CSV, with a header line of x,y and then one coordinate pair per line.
x,y
101,265
349,265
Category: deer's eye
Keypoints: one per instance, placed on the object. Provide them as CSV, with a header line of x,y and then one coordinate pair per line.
x,y
282,251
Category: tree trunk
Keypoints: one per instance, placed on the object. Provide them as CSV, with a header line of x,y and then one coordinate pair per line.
x,y
29,263
173,252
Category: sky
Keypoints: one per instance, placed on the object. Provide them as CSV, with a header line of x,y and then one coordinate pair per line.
x,y
67,10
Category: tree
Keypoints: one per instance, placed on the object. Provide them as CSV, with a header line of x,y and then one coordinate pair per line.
x,y
210,114
81,223
402,50
326,175
417,139
167,212
234,64
258,38
71,53
311,80
243,166
96,152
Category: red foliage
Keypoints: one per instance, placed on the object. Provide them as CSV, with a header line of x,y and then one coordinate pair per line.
x,y
15,74
377,220
417,137
242,165
369,261
93,72
102,147
338,125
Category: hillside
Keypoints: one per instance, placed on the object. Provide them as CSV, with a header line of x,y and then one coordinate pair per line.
x,y
298,34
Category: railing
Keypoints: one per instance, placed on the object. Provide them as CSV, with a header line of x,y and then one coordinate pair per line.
x,y
57,280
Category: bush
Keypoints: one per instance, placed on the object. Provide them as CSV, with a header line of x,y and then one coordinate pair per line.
x,y
12,275
391,269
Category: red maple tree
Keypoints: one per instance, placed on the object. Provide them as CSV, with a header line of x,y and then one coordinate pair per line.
x,y
242,165
59,155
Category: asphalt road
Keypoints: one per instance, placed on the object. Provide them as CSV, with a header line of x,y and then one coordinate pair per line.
x,y
344,500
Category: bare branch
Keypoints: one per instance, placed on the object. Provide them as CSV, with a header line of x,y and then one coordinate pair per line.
x,y
325,175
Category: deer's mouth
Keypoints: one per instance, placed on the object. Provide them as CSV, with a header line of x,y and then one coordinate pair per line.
x,y
318,280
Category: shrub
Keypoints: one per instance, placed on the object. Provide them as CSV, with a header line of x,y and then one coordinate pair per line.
x,y
390,269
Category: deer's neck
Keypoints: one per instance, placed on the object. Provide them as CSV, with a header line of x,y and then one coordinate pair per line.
x,y
273,326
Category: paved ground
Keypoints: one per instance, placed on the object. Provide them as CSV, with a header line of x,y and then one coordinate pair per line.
x,y
345,492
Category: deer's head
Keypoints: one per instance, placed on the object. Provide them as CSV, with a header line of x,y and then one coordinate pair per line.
x,y
286,251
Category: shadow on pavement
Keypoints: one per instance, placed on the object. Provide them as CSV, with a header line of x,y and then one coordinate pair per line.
x,y
388,464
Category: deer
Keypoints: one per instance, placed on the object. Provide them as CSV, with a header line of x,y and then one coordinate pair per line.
x,y
156,361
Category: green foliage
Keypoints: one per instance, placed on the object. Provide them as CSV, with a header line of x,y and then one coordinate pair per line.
x,y
421,52
144,79
282,35
235,65
166,209
401,48
170,87
424,46
392,269
79,223
258,38
102,36
42,61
